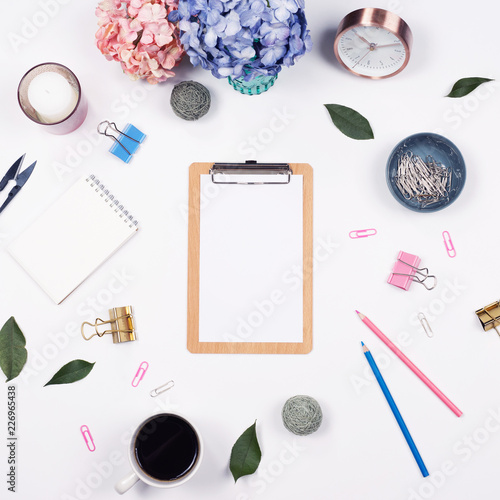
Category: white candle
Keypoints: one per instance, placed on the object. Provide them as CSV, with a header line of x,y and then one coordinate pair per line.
x,y
52,97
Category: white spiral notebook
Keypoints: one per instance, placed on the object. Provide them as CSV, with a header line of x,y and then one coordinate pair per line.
x,y
73,237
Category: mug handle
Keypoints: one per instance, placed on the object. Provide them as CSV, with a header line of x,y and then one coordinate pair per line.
x,y
126,482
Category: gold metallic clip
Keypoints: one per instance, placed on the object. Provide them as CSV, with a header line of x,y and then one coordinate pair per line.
x,y
121,322
490,316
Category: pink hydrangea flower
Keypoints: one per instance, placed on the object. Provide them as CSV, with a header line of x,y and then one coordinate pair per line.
x,y
134,7
164,33
151,13
168,57
137,34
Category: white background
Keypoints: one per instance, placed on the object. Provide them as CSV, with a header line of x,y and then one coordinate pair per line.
x,y
359,452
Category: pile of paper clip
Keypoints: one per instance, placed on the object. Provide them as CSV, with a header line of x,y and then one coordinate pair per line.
x,y
425,182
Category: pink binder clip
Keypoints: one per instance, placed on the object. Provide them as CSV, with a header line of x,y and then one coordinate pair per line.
x,y
143,367
406,270
362,233
87,437
450,249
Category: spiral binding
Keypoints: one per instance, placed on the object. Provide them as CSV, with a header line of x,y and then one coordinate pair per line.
x,y
112,202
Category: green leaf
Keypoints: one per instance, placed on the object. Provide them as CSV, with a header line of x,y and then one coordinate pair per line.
x,y
350,122
71,372
465,86
13,355
246,454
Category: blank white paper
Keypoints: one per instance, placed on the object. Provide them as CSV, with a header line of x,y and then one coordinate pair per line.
x,y
251,252
76,234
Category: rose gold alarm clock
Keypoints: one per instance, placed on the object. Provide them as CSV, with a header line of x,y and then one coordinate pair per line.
x,y
373,43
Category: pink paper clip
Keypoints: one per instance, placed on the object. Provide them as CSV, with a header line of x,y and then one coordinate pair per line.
x,y
450,249
87,437
406,270
143,367
362,233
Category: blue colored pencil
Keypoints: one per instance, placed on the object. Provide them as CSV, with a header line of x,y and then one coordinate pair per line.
x,y
394,408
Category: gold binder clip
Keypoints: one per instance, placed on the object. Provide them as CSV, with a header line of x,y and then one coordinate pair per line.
x,y
122,325
490,316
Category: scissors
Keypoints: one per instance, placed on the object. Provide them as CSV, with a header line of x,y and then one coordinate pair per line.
x,y
20,178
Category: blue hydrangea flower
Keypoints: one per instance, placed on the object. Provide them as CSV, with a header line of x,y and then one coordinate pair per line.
x,y
251,17
234,38
283,8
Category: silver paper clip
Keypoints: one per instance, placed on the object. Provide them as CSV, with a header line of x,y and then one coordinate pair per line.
x,y
161,389
425,325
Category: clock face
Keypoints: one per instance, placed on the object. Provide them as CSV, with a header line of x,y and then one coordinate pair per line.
x,y
371,51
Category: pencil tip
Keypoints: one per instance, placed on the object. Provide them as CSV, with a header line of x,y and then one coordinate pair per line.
x,y
362,343
361,315
357,312
365,349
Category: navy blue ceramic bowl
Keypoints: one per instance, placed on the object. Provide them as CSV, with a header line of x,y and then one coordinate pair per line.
x,y
443,151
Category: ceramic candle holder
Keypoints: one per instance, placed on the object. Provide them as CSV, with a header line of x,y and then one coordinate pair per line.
x,y
60,117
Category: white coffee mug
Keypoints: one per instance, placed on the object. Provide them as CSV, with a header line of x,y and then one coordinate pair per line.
x,y
163,432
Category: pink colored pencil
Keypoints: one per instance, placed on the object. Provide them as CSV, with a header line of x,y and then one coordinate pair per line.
x,y
409,364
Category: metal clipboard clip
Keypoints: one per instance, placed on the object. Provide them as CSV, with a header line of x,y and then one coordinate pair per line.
x,y
251,172
121,322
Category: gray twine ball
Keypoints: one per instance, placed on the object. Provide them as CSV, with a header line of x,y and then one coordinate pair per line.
x,y
190,100
302,415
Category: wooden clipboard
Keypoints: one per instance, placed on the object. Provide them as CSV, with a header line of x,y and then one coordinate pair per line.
x,y
194,345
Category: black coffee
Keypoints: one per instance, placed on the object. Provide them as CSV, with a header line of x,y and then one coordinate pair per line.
x,y
166,447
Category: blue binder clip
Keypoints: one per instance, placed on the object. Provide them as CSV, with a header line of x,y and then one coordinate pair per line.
x,y
127,142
